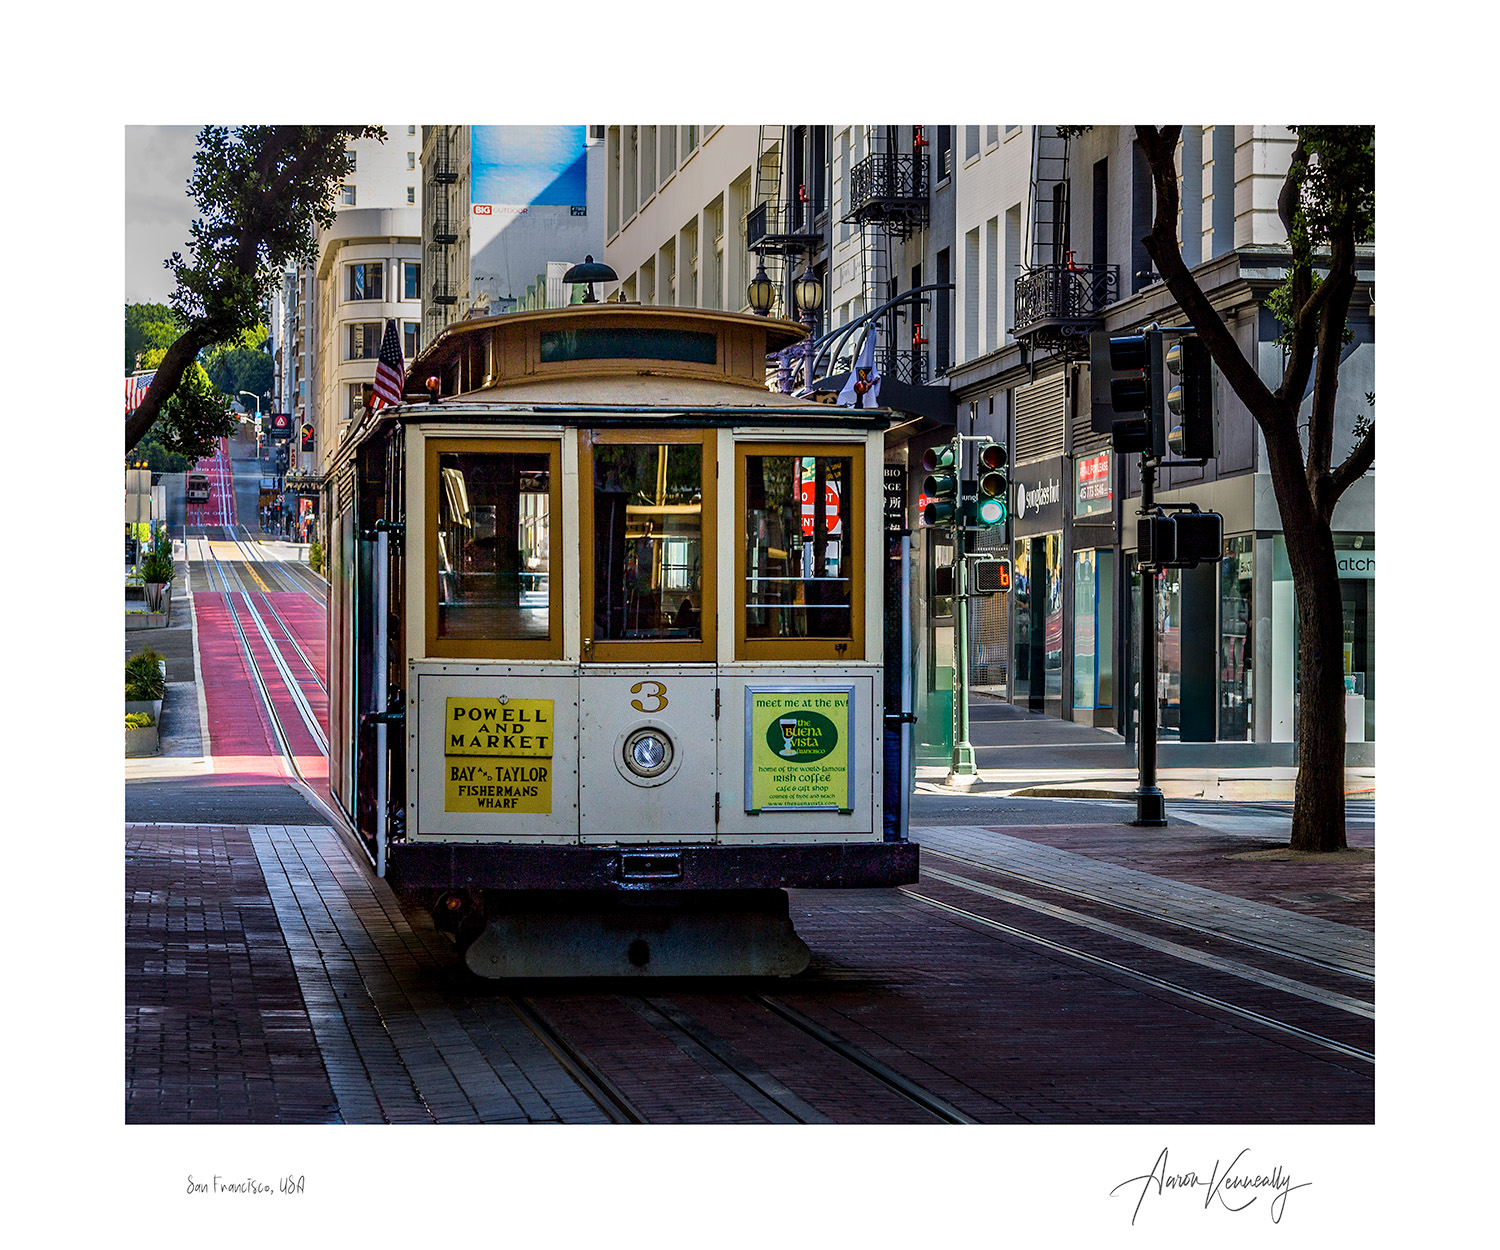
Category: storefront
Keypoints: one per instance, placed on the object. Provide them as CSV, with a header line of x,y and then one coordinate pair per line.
x,y
1093,560
1038,586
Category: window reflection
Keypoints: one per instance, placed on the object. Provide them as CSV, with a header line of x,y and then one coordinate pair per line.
x,y
797,576
493,545
648,541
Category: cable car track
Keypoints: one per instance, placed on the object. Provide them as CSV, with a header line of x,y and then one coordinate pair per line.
x,y
1182,991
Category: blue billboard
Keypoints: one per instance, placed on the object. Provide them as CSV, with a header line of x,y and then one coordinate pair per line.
x,y
523,165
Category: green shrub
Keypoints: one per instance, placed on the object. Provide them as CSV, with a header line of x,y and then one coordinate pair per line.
x,y
158,566
143,676
315,556
137,720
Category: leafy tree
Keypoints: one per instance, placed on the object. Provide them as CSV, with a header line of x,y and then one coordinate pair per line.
x,y
263,192
1327,205
148,327
157,458
244,365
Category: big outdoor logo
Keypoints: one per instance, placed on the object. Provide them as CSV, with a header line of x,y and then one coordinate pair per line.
x,y
801,736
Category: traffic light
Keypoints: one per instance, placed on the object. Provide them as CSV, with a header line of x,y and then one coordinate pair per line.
x,y
940,486
1137,385
1190,400
991,506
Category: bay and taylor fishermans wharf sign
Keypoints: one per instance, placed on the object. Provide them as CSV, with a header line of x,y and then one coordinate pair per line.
x,y
498,755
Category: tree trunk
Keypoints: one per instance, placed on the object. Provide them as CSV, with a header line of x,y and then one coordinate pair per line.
x,y
1318,814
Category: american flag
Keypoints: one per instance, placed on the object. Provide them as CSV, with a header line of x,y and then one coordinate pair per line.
x,y
135,391
390,370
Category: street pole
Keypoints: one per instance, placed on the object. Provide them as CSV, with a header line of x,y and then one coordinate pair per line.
x,y
1150,803
963,772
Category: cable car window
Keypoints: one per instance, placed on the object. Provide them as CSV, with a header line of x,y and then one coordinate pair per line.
x,y
494,545
648,541
799,558
625,343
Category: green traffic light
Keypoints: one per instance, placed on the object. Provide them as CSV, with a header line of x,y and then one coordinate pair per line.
x,y
991,511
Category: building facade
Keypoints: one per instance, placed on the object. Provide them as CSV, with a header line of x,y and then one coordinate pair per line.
x,y
959,248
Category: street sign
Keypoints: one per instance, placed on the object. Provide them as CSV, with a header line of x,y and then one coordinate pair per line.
x,y
895,497
281,425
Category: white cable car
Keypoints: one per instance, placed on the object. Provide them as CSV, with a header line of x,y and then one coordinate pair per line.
x,y
606,644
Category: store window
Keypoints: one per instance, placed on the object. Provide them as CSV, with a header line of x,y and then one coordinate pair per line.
x,y
800,561
1236,640
1093,628
494,550
650,517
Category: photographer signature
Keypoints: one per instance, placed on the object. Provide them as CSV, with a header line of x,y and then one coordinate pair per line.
x,y
1224,1187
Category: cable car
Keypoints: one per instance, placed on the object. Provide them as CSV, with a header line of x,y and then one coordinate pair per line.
x,y
197,488
607,644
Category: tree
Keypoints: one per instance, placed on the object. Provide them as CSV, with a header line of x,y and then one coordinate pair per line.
x,y
263,192
1327,205
242,365
148,327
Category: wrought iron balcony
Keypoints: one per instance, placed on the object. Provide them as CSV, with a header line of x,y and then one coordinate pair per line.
x,y
782,227
901,365
891,189
1057,306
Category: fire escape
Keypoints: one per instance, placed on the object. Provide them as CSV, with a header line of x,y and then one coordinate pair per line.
x,y
441,231
889,197
781,226
1058,302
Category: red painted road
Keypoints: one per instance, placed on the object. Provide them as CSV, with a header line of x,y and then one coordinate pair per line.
x,y
240,733
219,510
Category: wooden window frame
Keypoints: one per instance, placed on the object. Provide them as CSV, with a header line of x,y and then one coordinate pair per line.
x,y
549,648
746,648
649,650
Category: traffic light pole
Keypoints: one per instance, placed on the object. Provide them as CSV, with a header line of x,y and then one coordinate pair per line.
x,y
963,771
1150,803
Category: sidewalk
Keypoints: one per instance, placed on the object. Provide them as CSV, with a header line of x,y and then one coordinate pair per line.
x,y
1027,754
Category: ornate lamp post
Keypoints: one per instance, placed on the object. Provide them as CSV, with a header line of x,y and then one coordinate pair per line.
x,y
761,292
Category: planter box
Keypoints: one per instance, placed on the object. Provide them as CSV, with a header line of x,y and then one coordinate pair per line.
x,y
153,706
142,741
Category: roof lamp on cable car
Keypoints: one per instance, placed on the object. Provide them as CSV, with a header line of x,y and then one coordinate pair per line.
x,y
761,292
590,272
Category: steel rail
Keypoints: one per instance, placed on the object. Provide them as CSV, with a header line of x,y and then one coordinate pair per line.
x,y
1250,943
1206,1000
600,1089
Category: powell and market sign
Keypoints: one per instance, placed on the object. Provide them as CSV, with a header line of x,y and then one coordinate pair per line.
x,y
1036,495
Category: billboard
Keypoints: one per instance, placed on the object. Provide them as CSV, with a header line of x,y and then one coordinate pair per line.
x,y
526,165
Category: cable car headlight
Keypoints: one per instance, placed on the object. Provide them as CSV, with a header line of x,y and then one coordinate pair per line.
x,y
648,752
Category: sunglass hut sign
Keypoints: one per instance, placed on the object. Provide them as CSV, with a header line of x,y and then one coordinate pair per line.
x,y
1033,498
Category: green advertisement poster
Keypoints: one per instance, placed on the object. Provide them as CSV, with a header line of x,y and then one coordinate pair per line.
x,y
797,749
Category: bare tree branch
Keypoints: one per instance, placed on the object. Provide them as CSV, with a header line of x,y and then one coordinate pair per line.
x,y
1339,286
178,360
1355,466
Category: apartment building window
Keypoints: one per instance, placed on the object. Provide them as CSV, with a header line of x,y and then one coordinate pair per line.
x,y
668,140
1223,190
971,294
691,144
630,177
648,162
991,136
351,160
971,142
411,160
411,339
1012,265
411,130
1100,224
991,284
596,134
346,196
411,279
689,293
367,279
944,301
739,255
944,152
359,398
1190,225
713,268
648,282
612,182
364,340
411,195
1140,217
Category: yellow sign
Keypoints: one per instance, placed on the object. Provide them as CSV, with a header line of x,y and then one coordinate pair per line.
x,y
493,751
797,750
517,727
497,786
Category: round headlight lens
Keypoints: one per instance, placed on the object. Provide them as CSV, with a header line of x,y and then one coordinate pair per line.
x,y
648,752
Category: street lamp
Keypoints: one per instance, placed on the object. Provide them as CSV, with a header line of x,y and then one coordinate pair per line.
x,y
809,293
256,398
